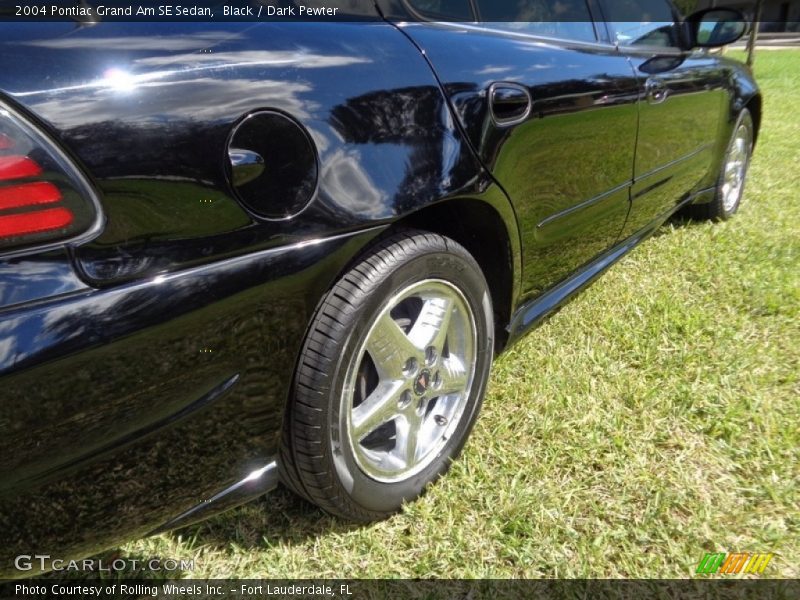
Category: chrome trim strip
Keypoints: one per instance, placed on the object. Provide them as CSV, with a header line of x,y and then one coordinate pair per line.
x,y
651,51
584,204
671,164
258,482
531,37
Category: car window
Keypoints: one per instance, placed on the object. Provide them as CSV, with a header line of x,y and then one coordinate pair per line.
x,y
642,23
565,19
447,10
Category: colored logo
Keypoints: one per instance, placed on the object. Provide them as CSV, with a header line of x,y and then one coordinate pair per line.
x,y
732,564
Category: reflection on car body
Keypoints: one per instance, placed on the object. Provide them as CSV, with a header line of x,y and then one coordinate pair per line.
x,y
237,253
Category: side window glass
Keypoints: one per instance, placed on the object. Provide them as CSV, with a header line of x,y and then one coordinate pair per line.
x,y
446,10
564,19
643,23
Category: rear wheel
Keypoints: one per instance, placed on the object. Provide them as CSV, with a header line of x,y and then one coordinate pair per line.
x,y
730,185
391,377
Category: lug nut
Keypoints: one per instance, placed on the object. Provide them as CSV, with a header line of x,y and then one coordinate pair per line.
x,y
440,420
431,356
411,367
405,400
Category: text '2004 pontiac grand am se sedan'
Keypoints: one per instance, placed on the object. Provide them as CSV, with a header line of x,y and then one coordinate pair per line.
x,y
233,254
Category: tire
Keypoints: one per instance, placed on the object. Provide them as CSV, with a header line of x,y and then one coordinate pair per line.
x,y
733,174
390,378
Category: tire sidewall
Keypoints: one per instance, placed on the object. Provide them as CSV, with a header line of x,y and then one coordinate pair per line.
x,y
383,497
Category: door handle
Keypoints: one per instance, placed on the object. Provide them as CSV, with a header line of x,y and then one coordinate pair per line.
x,y
509,103
657,91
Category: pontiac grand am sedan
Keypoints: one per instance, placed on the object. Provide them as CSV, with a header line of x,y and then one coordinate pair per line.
x,y
233,254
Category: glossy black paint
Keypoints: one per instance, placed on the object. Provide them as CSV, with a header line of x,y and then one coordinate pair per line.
x,y
151,396
674,152
595,160
170,95
567,167
145,372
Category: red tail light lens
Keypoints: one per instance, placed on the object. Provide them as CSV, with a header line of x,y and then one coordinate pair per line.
x,y
18,167
33,222
14,196
44,200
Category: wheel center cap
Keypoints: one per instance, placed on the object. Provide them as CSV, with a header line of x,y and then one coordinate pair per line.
x,y
422,383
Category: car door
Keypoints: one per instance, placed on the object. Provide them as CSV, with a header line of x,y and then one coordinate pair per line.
x,y
682,94
550,107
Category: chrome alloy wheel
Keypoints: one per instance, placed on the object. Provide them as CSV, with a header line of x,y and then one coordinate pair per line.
x,y
735,170
409,383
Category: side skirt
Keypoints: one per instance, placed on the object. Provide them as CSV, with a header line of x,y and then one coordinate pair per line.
x,y
533,313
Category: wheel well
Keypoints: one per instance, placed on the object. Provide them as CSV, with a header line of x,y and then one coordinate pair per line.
x,y
480,229
754,106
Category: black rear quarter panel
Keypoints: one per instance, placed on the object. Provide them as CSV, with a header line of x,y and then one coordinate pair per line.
x,y
145,371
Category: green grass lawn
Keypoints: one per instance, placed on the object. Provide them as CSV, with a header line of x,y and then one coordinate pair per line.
x,y
655,418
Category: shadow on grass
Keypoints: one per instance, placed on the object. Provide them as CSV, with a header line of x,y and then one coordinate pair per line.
x,y
277,518
680,220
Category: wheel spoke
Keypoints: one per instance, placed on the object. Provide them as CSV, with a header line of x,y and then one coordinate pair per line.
x,y
733,166
454,376
389,347
432,324
405,450
379,408
735,169
420,379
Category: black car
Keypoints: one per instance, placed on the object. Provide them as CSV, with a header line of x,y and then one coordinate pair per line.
x,y
233,254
